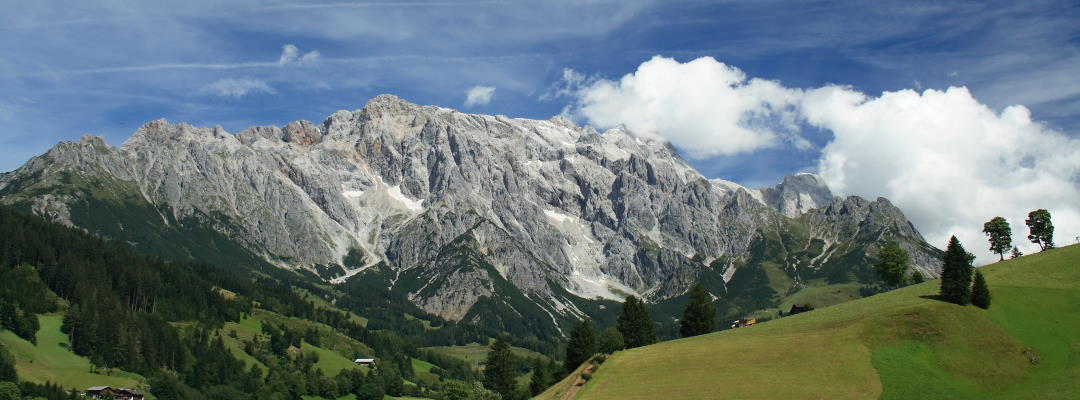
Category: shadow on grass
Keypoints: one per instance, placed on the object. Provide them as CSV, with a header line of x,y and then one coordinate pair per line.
x,y
937,297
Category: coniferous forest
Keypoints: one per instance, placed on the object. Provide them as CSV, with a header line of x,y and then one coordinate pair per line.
x,y
160,318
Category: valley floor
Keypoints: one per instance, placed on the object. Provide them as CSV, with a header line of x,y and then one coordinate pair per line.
x,y
903,344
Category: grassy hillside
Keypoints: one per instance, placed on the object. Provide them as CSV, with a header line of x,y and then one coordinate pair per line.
x,y
52,361
475,353
898,345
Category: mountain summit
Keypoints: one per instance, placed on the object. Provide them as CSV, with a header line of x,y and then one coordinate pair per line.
x,y
471,216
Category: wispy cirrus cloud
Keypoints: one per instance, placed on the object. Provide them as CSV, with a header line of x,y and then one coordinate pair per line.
x,y
237,87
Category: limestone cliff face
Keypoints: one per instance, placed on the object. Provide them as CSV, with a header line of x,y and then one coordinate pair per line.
x,y
547,206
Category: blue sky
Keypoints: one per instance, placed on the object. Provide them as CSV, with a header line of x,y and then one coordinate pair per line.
x,y
106,67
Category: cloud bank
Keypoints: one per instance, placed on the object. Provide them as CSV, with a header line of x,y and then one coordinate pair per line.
x,y
950,162
704,106
479,95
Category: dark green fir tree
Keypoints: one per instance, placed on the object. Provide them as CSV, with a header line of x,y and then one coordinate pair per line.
x,y
980,293
956,273
635,324
699,317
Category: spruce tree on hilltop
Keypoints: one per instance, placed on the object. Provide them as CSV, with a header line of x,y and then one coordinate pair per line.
x,y
1000,236
956,274
581,346
499,373
1015,253
1041,230
699,317
635,324
980,293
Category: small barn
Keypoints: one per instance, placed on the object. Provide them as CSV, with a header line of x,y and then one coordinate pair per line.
x,y
800,308
370,362
100,392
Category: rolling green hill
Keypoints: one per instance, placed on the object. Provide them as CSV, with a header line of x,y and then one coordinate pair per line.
x,y
903,344
51,360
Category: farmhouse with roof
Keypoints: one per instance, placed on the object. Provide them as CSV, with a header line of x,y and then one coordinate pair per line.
x,y
105,392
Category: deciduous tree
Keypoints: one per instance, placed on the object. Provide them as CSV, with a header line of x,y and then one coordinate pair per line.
x,y
1041,229
1000,236
611,340
892,265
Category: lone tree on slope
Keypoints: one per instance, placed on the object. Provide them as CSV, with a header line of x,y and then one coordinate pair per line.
x,y
980,293
956,274
892,265
635,324
581,346
1040,228
699,317
1000,236
1016,253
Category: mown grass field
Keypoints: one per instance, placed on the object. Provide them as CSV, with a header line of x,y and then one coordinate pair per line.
x,y
52,361
903,344
475,353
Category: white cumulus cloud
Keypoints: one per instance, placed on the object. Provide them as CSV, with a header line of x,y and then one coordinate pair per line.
x,y
703,106
291,54
479,95
950,162
947,160
237,87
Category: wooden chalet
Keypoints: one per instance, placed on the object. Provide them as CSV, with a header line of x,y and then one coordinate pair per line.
x,y
105,392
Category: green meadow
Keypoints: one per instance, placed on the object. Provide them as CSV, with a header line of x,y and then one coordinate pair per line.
x,y
904,344
52,361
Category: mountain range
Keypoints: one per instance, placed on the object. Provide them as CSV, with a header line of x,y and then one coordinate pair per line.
x,y
470,217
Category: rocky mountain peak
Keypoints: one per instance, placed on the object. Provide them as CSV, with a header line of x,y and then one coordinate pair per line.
x,y
553,209
798,194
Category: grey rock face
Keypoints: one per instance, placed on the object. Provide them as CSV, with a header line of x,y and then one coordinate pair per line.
x,y
797,194
543,201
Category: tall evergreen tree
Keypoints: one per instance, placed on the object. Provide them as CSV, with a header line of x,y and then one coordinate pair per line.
x,y
7,366
699,316
635,324
956,273
581,346
1041,230
499,372
1000,236
542,377
1015,253
980,293
892,265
